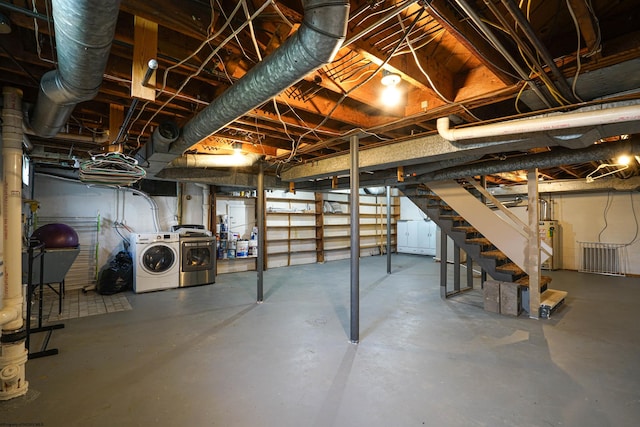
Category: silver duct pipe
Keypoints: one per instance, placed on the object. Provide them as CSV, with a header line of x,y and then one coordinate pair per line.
x,y
314,44
84,32
557,157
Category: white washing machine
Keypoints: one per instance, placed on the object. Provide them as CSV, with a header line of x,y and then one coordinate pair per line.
x,y
156,261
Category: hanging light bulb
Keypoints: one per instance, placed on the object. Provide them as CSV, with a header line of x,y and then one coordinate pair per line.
x,y
390,94
237,147
623,160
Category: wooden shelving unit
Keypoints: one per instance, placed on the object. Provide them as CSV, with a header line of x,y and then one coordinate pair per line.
x,y
292,235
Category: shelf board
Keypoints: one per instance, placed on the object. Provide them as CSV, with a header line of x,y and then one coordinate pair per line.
x,y
224,196
306,251
284,199
292,226
291,239
378,204
289,213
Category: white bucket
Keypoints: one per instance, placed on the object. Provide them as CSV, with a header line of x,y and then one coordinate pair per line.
x,y
242,249
253,248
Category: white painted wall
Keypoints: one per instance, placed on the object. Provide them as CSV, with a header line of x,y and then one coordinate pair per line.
x,y
582,218
60,198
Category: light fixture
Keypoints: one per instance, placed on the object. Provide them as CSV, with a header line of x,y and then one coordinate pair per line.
x,y
391,93
623,160
5,24
237,147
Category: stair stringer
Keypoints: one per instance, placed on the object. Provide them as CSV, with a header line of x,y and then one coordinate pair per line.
x,y
500,232
472,250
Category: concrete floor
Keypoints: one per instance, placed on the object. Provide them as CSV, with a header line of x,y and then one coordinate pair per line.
x,y
211,356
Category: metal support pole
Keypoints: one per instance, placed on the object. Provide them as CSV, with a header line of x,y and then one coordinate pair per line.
x,y
355,240
483,273
388,229
469,272
456,268
260,219
443,265
533,248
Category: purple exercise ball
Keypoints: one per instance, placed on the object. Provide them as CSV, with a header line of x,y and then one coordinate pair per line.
x,y
56,236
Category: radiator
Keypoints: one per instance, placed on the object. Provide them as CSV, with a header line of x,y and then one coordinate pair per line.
x,y
602,258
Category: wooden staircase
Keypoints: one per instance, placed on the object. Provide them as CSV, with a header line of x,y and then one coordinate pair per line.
x,y
483,251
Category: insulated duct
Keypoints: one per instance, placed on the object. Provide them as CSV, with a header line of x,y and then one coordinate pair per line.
x,y
314,44
214,160
84,32
557,157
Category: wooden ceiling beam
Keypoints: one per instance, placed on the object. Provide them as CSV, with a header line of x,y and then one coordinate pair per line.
x,y
478,46
187,17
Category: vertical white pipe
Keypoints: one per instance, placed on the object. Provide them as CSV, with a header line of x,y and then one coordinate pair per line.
x,y
12,205
13,354
206,193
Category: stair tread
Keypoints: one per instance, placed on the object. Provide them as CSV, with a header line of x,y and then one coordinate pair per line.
x,y
495,253
511,268
552,297
465,228
479,241
452,217
524,281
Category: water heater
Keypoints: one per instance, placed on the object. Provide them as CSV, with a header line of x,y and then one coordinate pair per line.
x,y
550,234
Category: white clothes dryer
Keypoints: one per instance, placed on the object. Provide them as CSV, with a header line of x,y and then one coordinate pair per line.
x,y
156,261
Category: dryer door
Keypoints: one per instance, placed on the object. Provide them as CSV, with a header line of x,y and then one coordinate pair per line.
x,y
158,258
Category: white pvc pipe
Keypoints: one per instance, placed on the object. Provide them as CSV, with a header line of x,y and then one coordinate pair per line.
x,y
205,203
12,209
545,123
13,353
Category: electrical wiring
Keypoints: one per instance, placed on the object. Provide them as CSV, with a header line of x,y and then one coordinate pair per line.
x,y
433,11
373,14
251,31
284,125
279,12
606,210
578,61
235,34
532,61
199,70
433,86
635,218
347,93
36,30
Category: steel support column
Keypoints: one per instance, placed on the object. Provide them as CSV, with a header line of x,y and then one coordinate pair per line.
x,y
483,272
355,240
388,229
469,272
261,231
456,268
533,249
443,265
